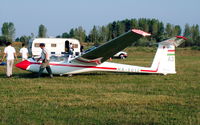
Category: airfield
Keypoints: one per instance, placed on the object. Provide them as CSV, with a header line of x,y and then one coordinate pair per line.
x,y
104,97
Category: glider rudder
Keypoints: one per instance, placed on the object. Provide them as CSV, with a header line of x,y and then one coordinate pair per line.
x,y
164,60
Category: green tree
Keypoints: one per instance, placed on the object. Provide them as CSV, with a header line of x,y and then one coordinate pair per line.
x,y
109,26
79,33
42,33
155,28
94,35
71,33
158,30
168,30
114,29
103,34
65,35
4,39
195,34
187,33
127,24
187,30
8,31
17,39
161,28
160,34
134,24
198,41
58,36
177,30
120,28
25,39
143,24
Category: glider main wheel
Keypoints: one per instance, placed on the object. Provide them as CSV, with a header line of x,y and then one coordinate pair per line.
x,y
122,56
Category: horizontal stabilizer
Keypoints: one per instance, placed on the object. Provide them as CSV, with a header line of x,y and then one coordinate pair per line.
x,y
176,41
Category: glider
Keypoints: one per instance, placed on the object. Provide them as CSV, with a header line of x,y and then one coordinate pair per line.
x,y
95,60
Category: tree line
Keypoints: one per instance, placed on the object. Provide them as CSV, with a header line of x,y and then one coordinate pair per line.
x,y
8,34
100,34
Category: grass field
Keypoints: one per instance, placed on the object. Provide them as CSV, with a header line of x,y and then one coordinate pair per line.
x,y
106,98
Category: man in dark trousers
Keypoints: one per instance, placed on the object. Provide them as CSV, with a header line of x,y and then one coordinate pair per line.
x,y
45,57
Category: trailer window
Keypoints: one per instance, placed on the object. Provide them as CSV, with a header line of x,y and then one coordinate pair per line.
x,y
37,44
75,45
53,45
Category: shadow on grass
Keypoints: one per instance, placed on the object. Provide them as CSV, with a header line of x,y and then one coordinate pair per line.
x,y
21,75
35,75
113,73
26,75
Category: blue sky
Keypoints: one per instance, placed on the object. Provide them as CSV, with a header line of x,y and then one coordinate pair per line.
x,y
61,15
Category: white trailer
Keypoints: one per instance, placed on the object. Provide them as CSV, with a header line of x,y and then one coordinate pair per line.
x,y
56,46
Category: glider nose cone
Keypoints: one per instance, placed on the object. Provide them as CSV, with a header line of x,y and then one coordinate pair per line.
x,y
23,65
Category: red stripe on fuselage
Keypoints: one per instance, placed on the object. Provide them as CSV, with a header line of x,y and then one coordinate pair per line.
x,y
67,65
171,50
151,70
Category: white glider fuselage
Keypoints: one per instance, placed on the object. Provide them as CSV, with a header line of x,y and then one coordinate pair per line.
x,y
94,60
73,68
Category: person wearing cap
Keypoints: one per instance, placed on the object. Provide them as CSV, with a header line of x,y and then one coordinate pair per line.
x,y
24,52
10,54
45,57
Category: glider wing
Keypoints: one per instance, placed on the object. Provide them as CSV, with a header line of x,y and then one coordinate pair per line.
x,y
107,50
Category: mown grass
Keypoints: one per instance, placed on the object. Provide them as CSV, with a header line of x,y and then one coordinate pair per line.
x,y
106,98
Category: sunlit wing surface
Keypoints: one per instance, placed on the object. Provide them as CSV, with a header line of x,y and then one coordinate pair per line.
x,y
107,50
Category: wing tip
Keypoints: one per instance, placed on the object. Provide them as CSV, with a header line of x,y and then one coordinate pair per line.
x,y
182,37
140,32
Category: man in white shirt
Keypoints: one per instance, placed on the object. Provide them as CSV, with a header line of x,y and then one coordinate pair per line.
x,y
24,52
9,53
45,57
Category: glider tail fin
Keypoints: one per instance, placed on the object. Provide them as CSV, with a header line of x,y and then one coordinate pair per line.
x,y
164,60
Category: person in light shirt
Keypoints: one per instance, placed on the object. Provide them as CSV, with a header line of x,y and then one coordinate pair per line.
x,y
45,58
24,52
10,54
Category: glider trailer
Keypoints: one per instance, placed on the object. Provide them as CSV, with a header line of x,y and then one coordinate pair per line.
x,y
95,60
56,46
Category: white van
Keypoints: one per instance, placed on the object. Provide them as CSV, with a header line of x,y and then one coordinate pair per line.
x,y
56,46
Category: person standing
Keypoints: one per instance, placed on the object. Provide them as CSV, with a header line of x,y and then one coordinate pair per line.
x,y
71,49
82,49
10,54
45,57
71,52
24,52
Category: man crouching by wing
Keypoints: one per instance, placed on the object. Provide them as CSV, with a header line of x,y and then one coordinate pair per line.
x,y
45,61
